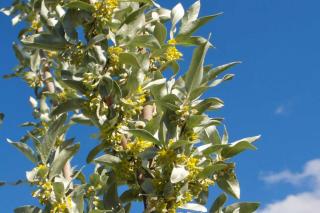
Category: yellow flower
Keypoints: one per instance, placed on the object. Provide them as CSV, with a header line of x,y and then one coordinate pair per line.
x,y
172,42
192,136
104,10
44,193
52,54
172,54
140,90
35,25
166,156
114,53
41,166
138,146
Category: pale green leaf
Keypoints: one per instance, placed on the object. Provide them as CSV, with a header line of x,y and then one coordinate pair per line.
x,y
61,159
178,174
108,159
25,149
144,135
218,204
245,207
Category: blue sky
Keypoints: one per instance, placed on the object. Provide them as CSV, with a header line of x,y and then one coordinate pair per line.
x,y
275,93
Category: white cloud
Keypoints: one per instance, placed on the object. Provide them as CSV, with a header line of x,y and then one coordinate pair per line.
x,y
280,110
304,202
299,203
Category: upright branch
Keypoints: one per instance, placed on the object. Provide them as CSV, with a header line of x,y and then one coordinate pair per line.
x,y
114,65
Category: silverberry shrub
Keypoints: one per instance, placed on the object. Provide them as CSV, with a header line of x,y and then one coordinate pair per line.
x,y
114,65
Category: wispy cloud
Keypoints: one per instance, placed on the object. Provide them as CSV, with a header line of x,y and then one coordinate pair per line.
x,y
280,110
304,202
284,108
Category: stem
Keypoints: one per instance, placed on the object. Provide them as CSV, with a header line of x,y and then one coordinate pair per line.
x,y
48,81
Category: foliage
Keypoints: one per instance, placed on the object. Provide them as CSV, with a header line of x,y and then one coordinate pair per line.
x,y
107,64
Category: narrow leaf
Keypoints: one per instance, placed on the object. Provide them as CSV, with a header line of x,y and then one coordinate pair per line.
x,y
145,135
25,149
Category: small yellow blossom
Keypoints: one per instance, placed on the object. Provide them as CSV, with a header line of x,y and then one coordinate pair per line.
x,y
138,146
172,42
104,10
61,207
36,25
52,54
192,136
114,53
172,54
44,193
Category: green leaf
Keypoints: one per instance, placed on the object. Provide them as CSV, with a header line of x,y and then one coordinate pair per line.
x,y
28,209
50,138
195,121
178,144
58,189
218,204
92,154
25,149
230,185
147,186
170,64
77,197
62,158
1,118
129,59
238,147
245,207
209,170
176,15
148,41
70,21
216,82
80,5
191,41
144,135
108,159
45,41
225,137
73,81
188,29
35,61
69,105
110,198
203,197
154,83
96,39
194,74
160,32
178,174
213,73
207,149
109,88
129,196
209,104
191,14
194,207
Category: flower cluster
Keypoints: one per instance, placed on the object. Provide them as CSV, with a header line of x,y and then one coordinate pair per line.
x,y
43,194
35,24
114,53
167,157
138,146
103,10
172,53
62,206
74,54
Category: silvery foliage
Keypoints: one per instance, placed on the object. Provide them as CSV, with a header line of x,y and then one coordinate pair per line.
x,y
63,43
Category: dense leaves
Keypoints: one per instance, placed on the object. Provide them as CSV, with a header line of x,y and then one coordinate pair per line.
x,y
104,63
